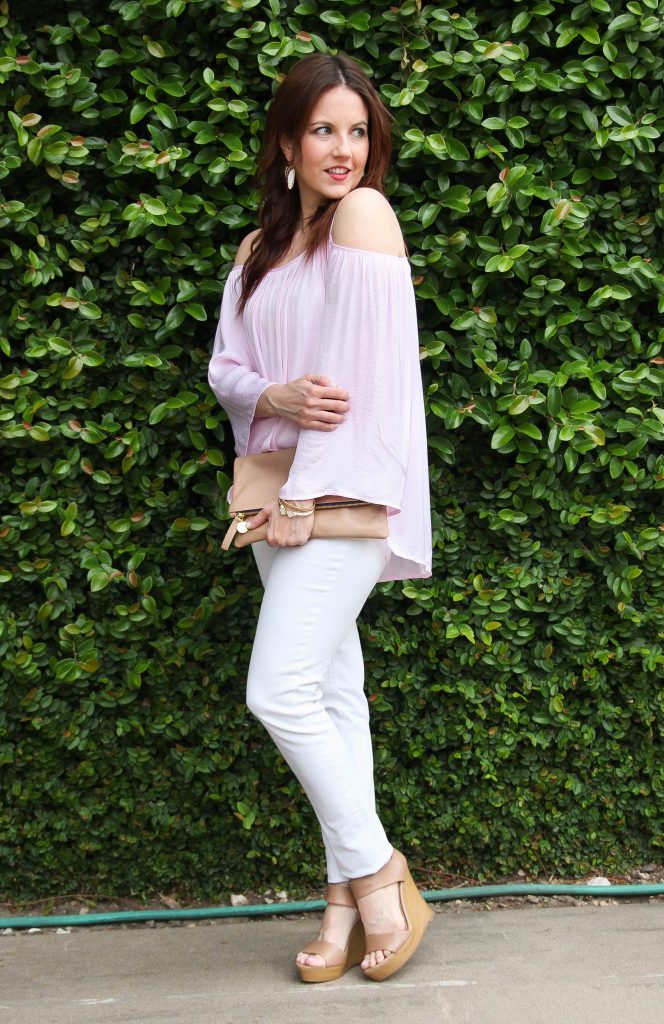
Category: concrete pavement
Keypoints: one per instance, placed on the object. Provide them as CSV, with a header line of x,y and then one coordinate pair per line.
x,y
584,964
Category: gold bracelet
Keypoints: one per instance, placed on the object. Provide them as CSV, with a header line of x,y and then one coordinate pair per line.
x,y
296,508
286,508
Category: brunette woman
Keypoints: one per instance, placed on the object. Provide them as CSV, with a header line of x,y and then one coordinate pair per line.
x,y
317,348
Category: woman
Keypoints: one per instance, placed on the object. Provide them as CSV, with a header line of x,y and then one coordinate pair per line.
x,y
317,348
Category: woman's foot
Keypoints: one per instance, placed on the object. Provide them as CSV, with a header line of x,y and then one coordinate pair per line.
x,y
381,912
336,926
394,916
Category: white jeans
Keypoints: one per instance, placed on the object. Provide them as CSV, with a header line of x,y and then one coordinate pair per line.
x,y
306,685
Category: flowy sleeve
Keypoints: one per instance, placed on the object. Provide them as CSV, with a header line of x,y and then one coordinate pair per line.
x,y
369,346
232,376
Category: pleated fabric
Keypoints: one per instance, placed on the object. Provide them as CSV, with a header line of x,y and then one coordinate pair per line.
x,y
348,314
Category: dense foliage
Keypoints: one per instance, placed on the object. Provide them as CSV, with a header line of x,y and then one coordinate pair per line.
x,y
517,695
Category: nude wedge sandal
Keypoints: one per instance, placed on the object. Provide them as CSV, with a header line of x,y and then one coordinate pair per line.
x,y
417,915
337,960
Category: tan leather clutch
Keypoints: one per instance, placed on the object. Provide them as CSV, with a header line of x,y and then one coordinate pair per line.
x,y
257,479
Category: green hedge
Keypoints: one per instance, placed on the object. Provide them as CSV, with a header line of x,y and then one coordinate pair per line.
x,y
517,695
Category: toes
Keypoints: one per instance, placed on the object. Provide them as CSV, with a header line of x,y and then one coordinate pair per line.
x,y
375,958
310,960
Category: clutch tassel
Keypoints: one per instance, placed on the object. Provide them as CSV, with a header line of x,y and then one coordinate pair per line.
x,y
237,526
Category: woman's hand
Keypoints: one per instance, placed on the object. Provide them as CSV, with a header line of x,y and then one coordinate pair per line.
x,y
284,531
312,402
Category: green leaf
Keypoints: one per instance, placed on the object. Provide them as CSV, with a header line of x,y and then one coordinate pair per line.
x,y
590,34
428,213
89,310
619,115
73,368
622,23
590,119
502,436
553,400
196,310
333,18
493,123
496,192
463,321
107,58
521,21
155,48
595,433
138,111
466,630
38,433
166,115
99,581
154,206
519,405
157,413
530,430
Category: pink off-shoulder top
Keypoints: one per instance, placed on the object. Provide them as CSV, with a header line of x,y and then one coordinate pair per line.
x,y
348,314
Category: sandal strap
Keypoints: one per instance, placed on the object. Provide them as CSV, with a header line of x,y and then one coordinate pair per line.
x,y
331,954
339,893
386,940
396,870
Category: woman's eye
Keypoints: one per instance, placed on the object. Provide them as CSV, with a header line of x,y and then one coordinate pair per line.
x,y
358,133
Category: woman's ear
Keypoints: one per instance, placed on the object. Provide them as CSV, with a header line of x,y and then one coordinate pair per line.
x,y
286,149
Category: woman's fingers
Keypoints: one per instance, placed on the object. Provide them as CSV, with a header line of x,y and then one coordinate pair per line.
x,y
320,419
325,408
325,382
322,400
259,518
329,392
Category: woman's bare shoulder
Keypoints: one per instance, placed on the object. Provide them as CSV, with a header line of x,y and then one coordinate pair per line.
x,y
245,247
365,220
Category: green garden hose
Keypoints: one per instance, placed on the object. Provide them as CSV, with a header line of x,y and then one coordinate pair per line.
x,y
269,909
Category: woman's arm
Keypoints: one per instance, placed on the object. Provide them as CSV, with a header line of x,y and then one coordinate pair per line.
x,y
312,401
236,385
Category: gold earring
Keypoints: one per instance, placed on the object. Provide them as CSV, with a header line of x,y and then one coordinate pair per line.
x,y
290,177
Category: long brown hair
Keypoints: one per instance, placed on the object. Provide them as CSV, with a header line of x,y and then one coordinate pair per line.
x,y
287,118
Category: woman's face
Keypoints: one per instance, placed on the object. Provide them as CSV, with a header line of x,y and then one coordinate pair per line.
x,y
333,150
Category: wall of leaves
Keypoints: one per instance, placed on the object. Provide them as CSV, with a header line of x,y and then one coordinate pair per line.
x,y
517,695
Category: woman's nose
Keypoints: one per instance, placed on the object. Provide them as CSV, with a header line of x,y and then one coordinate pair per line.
x,y
341,146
